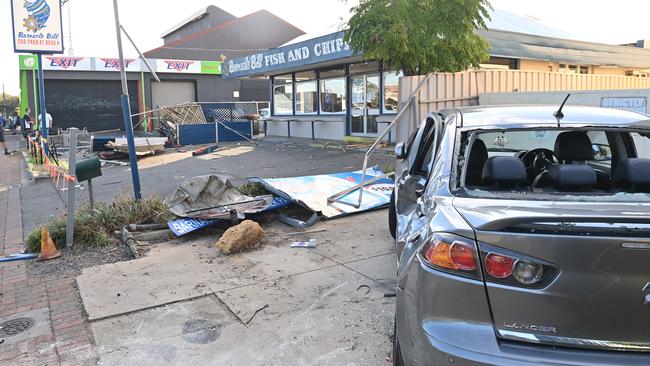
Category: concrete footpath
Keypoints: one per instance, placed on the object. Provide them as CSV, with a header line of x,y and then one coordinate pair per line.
x,y
42,319
184,302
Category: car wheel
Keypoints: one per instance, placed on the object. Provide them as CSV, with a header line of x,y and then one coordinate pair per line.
x,y
392,216
397,353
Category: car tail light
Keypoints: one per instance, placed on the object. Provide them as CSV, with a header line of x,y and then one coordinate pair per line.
x,y
527,273
515,269
453,254
498,266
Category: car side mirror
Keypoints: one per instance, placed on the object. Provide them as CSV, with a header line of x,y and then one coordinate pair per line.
x,y
400,151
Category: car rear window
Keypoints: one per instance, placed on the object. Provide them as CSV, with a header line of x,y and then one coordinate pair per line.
x,y
559,164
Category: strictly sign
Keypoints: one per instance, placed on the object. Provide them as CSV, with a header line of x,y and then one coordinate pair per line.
x,y
37,26
321,49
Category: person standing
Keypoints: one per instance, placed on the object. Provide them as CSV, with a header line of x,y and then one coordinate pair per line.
x,y
3,142
15,122
26,126
48,122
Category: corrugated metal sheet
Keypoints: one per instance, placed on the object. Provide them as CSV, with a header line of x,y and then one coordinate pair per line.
x,y
535,47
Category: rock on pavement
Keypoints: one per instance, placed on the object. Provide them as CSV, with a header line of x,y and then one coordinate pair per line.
x,y
248,234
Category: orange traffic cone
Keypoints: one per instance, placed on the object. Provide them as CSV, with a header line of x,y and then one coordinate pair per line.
x,y
48,249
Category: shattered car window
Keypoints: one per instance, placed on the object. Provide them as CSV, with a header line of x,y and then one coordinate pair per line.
x,y
558,164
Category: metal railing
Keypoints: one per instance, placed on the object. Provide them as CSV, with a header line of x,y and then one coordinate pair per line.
x,y
413,106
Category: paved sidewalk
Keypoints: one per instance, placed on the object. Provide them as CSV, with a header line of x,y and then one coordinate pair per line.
x,y
59,334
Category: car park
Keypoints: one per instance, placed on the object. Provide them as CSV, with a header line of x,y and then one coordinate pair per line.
x,y
523,238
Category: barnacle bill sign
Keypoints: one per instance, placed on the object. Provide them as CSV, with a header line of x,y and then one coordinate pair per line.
x,y
37,26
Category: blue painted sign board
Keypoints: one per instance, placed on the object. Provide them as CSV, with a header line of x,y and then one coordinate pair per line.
x,y
321,49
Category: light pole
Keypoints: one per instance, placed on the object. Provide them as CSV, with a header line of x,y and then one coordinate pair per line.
x,y
126,110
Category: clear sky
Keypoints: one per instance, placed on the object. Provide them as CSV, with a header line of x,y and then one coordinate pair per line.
x,y
93,31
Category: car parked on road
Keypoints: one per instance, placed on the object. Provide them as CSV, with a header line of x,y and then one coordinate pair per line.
x,y
523,238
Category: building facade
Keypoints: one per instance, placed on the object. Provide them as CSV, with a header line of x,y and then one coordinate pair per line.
x,y
321,89
84,92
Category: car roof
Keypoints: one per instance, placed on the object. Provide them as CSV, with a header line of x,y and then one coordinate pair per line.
x,y
542,115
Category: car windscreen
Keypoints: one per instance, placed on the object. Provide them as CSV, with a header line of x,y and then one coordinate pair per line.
x,y
560,164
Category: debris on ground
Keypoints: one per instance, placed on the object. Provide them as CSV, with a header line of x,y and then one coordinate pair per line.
x,y
214,197
187,225
312,191
17,257
205,192
143,145
311,243
246,235
204,150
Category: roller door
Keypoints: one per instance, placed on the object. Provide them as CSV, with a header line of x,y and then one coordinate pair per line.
x,y
172,92
91,104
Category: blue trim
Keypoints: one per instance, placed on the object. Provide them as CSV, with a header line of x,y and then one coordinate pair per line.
x,y
128,126
329,47
348,101
41,92
293,93
317,96
271,104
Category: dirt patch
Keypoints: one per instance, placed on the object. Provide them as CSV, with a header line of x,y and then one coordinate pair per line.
x,y
73,260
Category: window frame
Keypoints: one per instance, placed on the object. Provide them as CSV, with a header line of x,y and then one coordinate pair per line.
x,y
344,79
383,91
295,100
274,85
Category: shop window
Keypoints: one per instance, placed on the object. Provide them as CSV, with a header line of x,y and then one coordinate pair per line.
x,y
328,74
305,75
282,95
306,97
391,83
364,67
332,95
372,92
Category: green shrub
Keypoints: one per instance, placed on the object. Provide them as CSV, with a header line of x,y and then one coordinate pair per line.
x,y
253,189
94,227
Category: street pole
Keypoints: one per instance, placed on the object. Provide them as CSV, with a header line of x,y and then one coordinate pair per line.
x,y
126,110
41,94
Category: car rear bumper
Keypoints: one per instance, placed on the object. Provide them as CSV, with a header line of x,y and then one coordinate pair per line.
x,y
443,319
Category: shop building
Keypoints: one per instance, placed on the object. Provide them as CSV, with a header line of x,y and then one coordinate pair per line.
x,y
84,92
321,89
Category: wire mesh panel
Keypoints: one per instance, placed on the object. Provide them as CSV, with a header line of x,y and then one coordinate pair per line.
x,y
223,211
183,114
230,111
236,121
